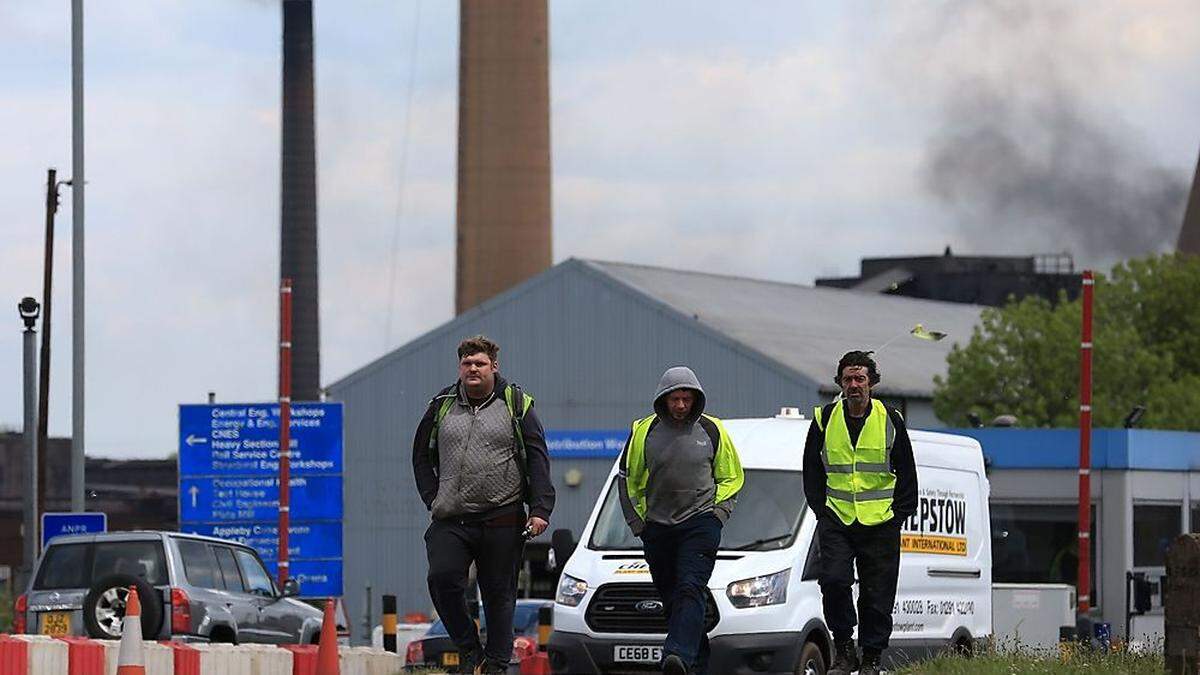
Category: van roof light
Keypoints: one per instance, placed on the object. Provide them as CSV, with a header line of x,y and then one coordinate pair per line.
x,y
789,413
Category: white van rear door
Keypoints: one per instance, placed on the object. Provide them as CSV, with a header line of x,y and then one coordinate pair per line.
x,y
945,569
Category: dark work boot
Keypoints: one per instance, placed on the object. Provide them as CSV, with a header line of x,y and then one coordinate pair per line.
x,y
673,665
490,666
845,659
870,664
468,662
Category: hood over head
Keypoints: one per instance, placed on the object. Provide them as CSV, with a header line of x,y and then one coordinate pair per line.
x,y
679,377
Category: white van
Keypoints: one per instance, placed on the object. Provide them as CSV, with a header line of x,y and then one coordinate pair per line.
x,y
764,609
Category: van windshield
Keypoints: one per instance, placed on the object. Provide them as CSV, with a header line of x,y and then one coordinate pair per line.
x,y
766,518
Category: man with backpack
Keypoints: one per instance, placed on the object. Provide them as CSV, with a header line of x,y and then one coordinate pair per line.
x,y
479,458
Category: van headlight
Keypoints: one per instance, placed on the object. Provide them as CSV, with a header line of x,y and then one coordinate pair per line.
x,y
769,589
570,591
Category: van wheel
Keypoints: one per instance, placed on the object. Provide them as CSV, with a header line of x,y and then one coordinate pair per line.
x,y
811,661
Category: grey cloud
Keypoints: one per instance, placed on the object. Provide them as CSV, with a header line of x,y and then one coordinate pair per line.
x,y
1023,161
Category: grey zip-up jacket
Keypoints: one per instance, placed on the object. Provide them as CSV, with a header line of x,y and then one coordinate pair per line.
x,y
679,457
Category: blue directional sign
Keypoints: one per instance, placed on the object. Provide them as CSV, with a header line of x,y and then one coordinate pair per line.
x,y
586,442
256,499
58,524
229,484
311,574
309,540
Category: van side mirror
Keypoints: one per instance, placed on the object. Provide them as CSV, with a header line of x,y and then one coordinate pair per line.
x,y
562,542
291,587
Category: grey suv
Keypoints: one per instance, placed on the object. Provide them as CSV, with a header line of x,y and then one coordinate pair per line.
x,y
191,588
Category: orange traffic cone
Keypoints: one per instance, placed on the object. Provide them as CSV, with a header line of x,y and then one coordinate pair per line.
x,y
130,660
327,648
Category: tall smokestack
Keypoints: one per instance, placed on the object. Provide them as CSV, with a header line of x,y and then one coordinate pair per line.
x,y
298,200
1189,235
503,147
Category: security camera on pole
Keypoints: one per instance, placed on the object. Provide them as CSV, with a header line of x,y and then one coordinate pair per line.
x,y
29,309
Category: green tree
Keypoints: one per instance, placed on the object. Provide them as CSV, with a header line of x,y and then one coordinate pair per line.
x,y
1023,358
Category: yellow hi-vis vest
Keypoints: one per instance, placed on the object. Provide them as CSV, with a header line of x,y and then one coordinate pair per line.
x,y
859,481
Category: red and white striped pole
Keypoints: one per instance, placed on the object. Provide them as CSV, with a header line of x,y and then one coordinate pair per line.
x,y
1084,586
285,419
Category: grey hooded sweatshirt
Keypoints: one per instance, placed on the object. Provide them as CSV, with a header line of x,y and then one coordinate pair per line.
x,y
679,457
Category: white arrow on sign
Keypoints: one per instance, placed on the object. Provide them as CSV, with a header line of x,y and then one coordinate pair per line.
x,y
193,491
193,439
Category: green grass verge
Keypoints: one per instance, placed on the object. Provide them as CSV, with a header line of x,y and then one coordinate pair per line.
x,y
1021,661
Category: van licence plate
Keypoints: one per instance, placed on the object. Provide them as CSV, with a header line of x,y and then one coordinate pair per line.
x,y
56,624
637,654
450,658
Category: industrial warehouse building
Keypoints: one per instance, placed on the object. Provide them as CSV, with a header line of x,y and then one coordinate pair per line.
x,y
589,341
1145,491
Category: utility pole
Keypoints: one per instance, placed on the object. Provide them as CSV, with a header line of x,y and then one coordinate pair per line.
x,y
77,325
285,417
1083,588
28,308
44,371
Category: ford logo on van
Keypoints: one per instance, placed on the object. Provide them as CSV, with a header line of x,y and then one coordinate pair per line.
x,y
649,607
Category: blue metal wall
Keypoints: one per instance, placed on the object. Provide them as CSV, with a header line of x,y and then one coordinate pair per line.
x,y
588,348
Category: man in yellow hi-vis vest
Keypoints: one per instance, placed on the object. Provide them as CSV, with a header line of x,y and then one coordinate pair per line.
x,y
678,480
861,482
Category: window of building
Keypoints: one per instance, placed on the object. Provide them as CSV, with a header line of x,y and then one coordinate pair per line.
x,y
1039,543
1154,527
1195,516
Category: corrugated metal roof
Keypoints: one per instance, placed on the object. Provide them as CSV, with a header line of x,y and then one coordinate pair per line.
x,y
807,329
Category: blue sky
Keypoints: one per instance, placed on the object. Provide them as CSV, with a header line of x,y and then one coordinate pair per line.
x,y
781,140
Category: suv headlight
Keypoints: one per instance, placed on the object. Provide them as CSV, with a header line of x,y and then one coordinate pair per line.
x,y
570,591
769,589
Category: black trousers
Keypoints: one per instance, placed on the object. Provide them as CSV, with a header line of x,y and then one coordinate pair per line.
x,y
681,559
875,550
496,550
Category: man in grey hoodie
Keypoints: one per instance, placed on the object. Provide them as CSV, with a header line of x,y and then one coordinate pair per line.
x,y
679,479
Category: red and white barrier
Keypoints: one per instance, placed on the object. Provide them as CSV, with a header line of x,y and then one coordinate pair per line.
x,y
369,661
43,655
46,656
157,659
186,658
14,655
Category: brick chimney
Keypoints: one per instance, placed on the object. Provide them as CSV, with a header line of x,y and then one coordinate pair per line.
x,y
503,209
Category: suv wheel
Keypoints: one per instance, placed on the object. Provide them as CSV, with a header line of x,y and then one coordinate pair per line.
x,y
104,607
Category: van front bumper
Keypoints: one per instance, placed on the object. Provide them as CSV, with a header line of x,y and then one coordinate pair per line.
x,y
740,654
